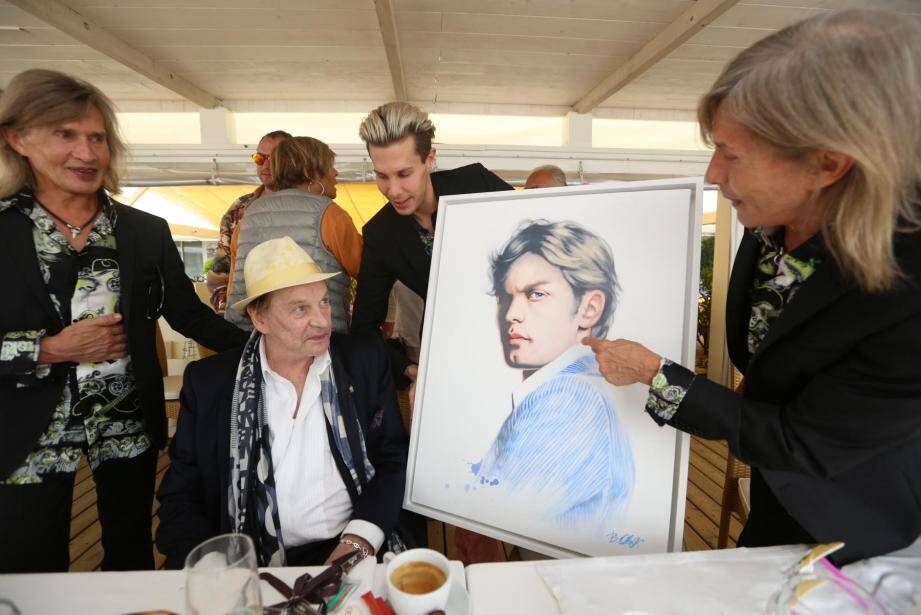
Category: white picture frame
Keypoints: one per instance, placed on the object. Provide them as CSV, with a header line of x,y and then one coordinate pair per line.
x,y
456,378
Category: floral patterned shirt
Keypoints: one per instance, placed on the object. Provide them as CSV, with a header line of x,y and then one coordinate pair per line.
x,y
778,276
232,217
425,236
99,409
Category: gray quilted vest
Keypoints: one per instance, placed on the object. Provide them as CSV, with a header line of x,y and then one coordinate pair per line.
x,y
297,214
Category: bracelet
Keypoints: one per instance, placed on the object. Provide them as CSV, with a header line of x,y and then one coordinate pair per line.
x,y
363,550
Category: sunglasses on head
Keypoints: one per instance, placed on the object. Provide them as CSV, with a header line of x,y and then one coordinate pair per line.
x,y
260,158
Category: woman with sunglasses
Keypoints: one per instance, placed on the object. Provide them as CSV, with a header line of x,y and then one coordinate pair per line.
x,y
301,206
85,280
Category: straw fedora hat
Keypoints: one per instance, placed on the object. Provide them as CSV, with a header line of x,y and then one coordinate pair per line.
x,y
276,264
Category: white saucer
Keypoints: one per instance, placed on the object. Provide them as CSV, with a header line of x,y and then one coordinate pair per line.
x,y
458,602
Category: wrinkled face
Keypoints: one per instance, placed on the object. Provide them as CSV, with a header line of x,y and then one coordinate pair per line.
x,y
402,176
70,158
538,314
266,146
296,322
765,188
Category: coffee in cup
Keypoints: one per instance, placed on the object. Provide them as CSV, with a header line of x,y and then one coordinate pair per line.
x,y
418,577
418,582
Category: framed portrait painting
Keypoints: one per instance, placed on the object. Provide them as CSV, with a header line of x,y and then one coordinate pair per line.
x,y
515,434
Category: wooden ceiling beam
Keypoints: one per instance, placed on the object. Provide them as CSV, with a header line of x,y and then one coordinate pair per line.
x,y
387,19
74,24
692,21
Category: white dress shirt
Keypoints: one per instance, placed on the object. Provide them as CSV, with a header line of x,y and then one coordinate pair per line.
x,y
313,502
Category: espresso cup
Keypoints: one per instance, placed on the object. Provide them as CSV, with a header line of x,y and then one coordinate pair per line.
x,y
419,582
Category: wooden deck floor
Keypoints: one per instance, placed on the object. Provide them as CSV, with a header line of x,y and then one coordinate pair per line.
x,y
701,525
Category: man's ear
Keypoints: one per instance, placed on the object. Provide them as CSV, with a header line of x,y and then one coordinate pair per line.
x,y
258,319
14,139
591,307
430,159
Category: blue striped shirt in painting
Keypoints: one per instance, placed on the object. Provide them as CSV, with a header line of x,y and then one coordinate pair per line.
x,y
563,446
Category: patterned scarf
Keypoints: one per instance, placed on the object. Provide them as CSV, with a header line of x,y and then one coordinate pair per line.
x,y
252,480
778,276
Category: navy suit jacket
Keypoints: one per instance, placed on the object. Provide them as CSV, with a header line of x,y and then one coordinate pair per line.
x,y
193,493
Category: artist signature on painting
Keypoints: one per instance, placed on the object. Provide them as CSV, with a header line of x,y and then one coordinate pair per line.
x,y
631,541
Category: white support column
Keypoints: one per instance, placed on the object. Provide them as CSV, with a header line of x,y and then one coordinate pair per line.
x,y
577,130
217,127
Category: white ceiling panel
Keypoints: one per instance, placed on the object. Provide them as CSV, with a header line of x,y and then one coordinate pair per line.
x,y
546,53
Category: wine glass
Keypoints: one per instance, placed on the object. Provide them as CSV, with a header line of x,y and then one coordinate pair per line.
x,y
222,577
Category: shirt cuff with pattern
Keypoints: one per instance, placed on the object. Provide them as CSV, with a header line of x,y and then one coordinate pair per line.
x,y
366,530
668,388
19,352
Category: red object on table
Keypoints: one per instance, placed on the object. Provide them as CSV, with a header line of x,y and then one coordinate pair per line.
x,y
376,604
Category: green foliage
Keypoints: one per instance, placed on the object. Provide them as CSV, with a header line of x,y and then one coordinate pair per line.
x,y
704,300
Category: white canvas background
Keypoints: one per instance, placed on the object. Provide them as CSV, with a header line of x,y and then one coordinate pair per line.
x,y
465,384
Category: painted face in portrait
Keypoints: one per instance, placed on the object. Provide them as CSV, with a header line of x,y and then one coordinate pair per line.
x,y
402,175
297,321
70,157
539,316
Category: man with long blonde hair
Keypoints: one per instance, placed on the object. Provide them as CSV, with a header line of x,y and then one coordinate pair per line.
x,y
86,279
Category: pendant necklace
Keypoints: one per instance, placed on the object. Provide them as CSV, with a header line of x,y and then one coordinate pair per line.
x,y
73,228
779,255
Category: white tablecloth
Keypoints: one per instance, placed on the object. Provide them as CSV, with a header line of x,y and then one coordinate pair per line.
x,y
736,581
116,593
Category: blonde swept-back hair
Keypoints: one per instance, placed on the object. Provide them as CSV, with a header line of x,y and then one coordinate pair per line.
x,y
395,121
299,160
583,258
37,98
847,81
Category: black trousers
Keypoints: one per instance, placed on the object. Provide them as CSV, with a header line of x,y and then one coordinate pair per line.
x,y
35,519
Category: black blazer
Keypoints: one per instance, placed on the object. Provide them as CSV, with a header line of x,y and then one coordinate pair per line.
x,y
831,412
148,262
193,493
393,251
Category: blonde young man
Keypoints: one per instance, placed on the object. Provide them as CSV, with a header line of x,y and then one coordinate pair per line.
x,y
398,239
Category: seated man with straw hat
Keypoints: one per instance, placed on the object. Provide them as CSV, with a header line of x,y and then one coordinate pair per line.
x,y
294,439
